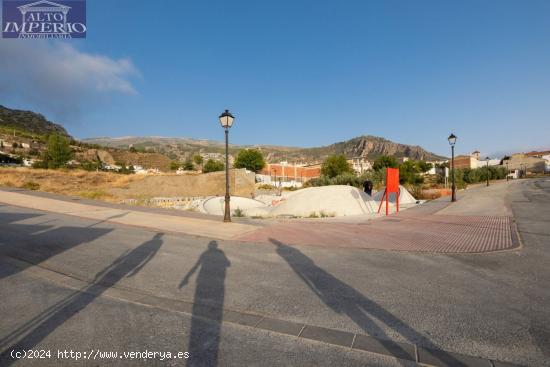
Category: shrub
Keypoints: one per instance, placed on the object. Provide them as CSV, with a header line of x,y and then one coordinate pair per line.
x,y
349,179
126,169
93,194
91,165
266,187
343,179
213,166
188,166
31,185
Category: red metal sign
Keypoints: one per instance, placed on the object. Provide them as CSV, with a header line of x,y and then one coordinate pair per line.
x,y
392,186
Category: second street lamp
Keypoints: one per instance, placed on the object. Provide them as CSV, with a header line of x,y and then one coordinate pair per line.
x,y
226,120
452,142
487,160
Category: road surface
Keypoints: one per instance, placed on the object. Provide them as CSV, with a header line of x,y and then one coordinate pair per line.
x,y
77,284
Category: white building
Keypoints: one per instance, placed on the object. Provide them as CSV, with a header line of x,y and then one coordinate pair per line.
x,y
360,164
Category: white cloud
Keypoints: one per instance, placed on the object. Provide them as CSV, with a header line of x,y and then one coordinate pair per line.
x,y
58,77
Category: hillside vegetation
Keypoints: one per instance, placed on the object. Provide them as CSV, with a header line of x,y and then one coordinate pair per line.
x,y
28,124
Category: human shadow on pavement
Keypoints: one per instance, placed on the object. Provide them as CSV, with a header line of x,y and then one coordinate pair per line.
x,y
344,299
36,243
207,314
38,328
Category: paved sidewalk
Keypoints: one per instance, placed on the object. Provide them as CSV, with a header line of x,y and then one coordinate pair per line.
x,y
161,222
432,227
418,233
480,221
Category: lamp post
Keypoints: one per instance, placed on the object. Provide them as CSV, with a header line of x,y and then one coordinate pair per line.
x,y
452,141
226,120
487,160
521,170
521,173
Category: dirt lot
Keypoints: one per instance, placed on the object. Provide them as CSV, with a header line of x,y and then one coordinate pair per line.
x,y
93,185
117,187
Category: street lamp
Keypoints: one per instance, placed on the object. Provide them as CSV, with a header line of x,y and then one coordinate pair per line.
x,y
487,160
520,170
226,120
452,142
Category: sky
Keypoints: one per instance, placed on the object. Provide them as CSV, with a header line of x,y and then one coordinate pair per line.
x,y
297,72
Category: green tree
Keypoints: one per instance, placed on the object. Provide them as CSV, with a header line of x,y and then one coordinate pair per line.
x,y
424,166
251,159
198,160
188,166
58,152
336,165
174,166
409,173
384,161
213,166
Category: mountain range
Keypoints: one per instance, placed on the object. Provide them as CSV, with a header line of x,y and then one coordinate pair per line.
x,y
33,125
366,146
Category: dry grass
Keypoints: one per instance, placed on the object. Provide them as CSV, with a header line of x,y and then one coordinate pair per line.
x,y
94,185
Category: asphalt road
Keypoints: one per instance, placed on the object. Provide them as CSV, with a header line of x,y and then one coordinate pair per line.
x,y
59,278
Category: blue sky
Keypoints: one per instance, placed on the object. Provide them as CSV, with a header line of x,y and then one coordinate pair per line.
x,y
300,73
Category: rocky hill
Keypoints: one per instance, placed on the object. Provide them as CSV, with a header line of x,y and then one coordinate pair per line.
x,y
28,123
181,148
367,146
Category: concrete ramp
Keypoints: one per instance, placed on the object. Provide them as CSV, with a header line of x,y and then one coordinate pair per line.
x,y
337,200
405,196
216,205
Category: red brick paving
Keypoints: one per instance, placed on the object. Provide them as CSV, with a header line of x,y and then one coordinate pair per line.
x,y
419,233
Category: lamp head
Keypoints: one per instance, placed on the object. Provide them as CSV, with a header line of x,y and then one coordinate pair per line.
x,y
452,139
226,119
